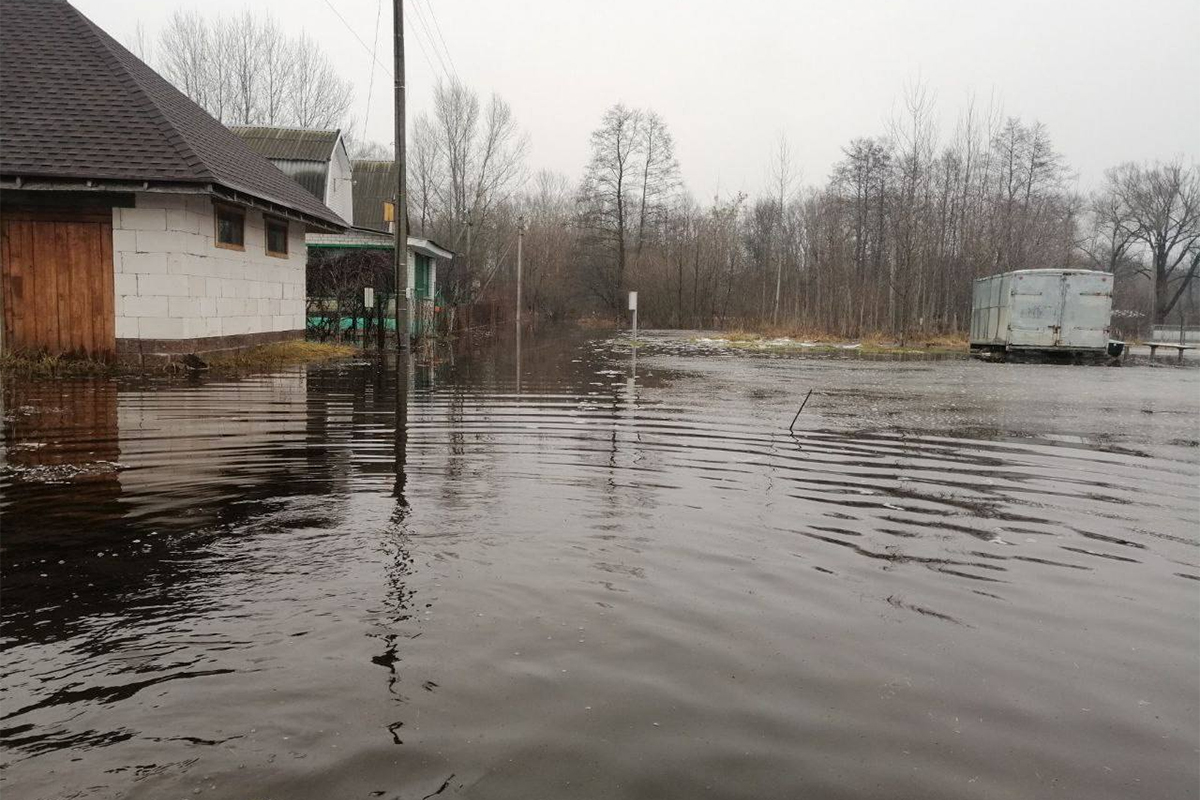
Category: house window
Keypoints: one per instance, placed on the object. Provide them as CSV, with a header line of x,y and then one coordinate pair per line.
x,y
231,227
277,237
421,277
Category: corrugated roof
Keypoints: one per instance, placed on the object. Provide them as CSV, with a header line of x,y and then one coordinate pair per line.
x,y
374,183
76,105
309,174
294,144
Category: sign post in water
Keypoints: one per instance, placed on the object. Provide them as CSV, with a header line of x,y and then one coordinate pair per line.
x,y
633,308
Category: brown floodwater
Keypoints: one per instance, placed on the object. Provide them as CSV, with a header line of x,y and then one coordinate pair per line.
x,y
586,578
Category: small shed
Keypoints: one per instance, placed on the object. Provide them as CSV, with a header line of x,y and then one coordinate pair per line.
x,y
1045,311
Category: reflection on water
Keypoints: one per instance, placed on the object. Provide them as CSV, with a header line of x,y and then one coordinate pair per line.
x,y
575,570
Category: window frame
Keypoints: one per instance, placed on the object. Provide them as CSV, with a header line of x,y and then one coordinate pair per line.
x,y
240,213
268,221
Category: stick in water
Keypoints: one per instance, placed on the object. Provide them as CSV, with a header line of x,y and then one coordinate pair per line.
x,y
802,405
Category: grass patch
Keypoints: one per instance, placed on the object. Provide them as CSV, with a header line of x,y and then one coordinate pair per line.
x,y
47,366
598,322
787,340
255,359
279,354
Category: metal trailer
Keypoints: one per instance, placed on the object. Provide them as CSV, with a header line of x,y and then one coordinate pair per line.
x,y
1063,313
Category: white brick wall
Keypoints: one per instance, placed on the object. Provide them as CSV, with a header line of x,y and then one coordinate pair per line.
x,y
173,282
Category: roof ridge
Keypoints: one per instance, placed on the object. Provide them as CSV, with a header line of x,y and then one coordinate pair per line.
x,y
289,128
168,131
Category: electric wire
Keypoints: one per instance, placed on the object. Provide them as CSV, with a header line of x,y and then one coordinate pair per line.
x,y
356,36
437,25
421,34
371,80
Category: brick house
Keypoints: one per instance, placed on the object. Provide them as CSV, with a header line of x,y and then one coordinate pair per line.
x,y
131,221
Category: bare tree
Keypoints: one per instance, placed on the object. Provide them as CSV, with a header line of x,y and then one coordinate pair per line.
x,y
1160,207
659,174
360,148
424,160
783,178
548,207
604,199
241,35
139,43
185,47
244,71
1110,244
276,72
915,135
318,97
466,166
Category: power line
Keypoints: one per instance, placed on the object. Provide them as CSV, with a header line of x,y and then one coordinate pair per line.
x,y
371,81
356,36
421,22
438,26
432,45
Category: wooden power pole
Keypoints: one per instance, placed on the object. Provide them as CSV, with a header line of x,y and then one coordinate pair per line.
x,y
400,261
520,243
401,226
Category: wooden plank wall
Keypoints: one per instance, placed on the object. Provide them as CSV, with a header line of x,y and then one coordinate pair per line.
x,y
57,279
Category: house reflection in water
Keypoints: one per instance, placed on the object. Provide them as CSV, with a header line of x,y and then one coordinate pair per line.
x,y
113,493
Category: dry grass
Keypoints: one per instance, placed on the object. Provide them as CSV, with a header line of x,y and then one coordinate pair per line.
x,y
871,342
255,359
280,354
47,366
598,322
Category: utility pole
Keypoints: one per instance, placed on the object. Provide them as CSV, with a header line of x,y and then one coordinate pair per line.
x,y
400,263
520,243
469,291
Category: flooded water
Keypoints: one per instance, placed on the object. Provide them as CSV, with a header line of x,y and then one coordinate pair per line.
x,y
591,578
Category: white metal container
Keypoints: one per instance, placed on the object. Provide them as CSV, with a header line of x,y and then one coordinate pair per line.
x,y
1051,310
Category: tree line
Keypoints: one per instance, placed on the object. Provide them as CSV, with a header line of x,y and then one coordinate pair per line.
x,y
889,243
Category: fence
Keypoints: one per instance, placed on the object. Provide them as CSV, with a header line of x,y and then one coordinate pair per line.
x,y
1177,334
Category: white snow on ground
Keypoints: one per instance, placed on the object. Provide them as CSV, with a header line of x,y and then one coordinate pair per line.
x,y
763,344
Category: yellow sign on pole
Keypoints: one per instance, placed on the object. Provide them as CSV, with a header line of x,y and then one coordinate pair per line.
x,y
389,211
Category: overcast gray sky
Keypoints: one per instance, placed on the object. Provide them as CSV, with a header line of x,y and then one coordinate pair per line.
x,y
1114,81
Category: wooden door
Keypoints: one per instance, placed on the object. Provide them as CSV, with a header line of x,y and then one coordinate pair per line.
x,y
56,275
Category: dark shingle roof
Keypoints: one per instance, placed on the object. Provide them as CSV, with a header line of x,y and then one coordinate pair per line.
x,y
293,144
75,104
374,183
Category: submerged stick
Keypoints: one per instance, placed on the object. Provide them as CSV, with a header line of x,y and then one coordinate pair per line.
x,y
802,405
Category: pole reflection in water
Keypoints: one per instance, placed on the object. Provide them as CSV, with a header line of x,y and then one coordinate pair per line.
x,y
518,359
632,382
398,595
403,368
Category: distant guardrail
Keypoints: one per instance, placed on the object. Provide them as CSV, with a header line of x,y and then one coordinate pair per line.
x,y
1174,334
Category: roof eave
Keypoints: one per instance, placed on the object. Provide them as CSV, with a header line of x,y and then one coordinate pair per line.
x,y
429,247
53,183
331,224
